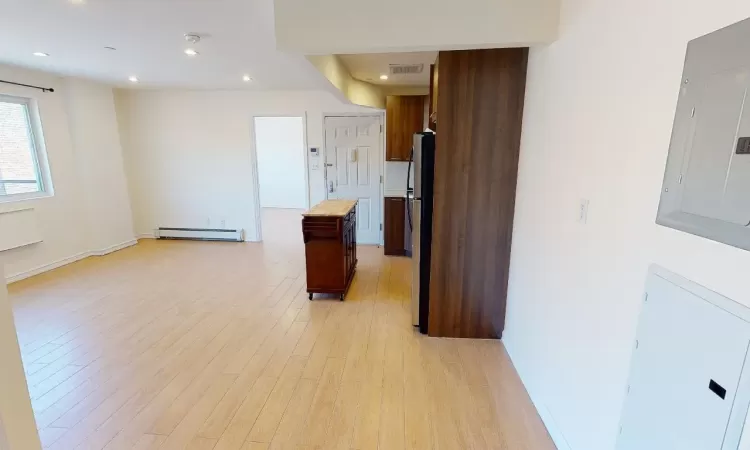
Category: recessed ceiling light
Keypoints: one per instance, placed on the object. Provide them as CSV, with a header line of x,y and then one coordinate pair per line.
x,y
41,54
133,79
383,77
190,52
246,78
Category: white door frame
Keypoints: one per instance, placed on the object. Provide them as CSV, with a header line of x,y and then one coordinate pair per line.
x,y
254,162
381,197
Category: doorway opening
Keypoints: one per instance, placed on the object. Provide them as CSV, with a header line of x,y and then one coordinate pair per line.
x,y
283,189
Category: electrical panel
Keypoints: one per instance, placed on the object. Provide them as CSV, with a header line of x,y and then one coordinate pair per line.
x,y
689,383
706,188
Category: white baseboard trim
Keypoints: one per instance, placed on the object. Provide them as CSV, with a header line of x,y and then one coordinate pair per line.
x,y
544,413
554,431
114,248
69,260
146,236
46,267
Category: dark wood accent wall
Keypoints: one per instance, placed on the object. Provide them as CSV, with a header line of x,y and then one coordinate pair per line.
x,y
480,111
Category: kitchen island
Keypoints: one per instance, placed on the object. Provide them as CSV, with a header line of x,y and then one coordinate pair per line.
x,y
329,231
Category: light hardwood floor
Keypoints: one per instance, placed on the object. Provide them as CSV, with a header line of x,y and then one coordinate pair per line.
x,y
192,345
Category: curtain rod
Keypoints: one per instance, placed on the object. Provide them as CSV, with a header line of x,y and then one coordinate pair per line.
x,y
43,89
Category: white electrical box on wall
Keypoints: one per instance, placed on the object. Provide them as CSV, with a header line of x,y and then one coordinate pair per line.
x,y
706,188
314,158
689,383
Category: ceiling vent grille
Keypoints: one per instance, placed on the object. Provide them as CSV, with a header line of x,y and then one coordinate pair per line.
x,y
405,69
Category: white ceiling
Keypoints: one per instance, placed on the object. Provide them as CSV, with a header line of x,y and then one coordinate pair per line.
x,y
369,66
148,35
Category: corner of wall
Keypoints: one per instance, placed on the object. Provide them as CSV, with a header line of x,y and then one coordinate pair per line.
x,y
350,89
99,164
90,211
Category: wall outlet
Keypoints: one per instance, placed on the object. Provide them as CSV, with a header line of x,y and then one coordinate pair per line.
x,y
583,211
223,224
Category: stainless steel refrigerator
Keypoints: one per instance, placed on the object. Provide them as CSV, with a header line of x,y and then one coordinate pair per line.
x,y
419,212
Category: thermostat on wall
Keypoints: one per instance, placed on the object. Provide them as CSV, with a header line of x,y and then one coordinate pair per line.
x,y
315,157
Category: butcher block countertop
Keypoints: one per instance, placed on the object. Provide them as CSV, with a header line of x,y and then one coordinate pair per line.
x,y
331,208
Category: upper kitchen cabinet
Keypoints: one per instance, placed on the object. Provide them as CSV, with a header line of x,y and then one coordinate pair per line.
x,y
404,118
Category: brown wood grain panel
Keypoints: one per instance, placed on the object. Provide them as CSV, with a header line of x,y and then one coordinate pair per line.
x,y
481,107
404,117
393,233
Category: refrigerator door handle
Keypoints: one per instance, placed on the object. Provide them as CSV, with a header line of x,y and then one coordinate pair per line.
x,y
409,208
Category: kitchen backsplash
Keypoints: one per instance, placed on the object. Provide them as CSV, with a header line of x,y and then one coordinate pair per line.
x,y
395,178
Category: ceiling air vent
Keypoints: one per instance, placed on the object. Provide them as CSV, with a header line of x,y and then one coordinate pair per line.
x,y
405,69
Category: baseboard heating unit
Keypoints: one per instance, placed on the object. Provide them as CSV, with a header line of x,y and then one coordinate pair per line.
x,y
200,234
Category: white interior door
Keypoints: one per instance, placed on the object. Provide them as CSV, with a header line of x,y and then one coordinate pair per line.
x,y
353,161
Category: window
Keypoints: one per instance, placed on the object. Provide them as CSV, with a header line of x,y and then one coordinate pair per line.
x,y
20,173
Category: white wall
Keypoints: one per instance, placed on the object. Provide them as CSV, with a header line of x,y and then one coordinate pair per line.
x,y
599,108
3,438
17,424
188,153
280,149
89,211
363,26
96,141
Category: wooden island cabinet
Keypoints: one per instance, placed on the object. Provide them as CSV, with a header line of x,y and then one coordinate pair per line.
x,y
329,231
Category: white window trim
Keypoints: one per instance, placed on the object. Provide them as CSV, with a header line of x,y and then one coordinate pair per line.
x,y
39,154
